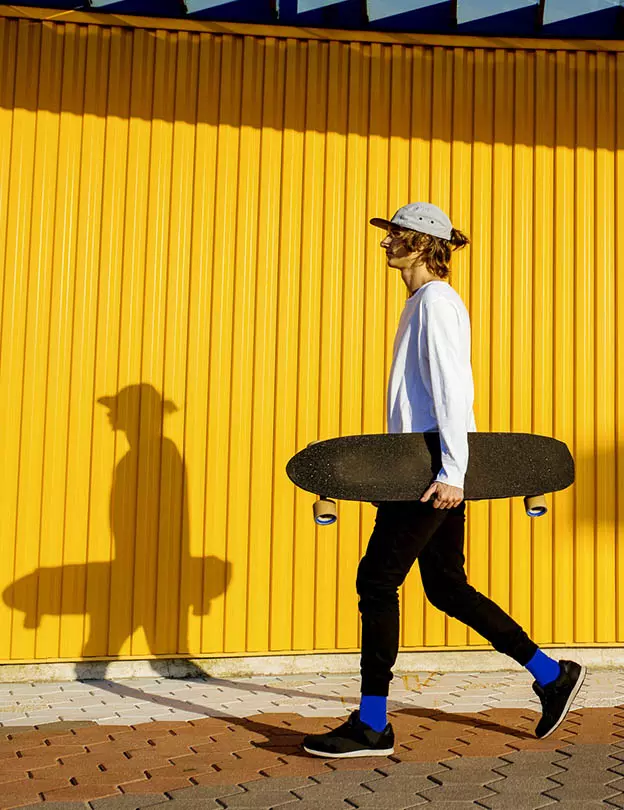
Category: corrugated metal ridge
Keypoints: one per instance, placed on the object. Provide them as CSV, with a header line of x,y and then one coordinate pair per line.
x,y
314,34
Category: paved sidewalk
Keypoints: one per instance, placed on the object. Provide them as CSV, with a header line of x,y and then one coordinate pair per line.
x,y
462,740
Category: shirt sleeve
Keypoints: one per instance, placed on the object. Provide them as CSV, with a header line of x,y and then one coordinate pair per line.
x,y
443,339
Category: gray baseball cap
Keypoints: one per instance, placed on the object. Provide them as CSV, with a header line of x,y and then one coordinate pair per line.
x,y
419,216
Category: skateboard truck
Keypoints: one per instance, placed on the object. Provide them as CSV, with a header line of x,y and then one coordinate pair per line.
x,y
324,509
535,506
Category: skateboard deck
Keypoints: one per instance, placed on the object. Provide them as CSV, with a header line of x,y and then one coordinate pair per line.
x,y
401,466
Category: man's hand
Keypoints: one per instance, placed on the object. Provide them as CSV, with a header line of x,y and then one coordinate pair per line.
x,y
446,496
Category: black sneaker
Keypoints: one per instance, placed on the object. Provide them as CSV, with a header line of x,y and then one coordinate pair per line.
x,y
557,697
352,739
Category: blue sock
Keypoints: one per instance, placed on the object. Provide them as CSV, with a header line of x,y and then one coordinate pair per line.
x,y
373,711
543,669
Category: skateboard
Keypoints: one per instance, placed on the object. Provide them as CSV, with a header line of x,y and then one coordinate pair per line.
x,y
401,467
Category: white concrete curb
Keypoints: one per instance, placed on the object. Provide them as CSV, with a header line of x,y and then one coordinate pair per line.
x,y
330,663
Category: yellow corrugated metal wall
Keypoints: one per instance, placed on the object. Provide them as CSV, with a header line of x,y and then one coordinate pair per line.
x,y
183,226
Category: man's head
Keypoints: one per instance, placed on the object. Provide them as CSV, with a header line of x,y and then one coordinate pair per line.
x,y
420,235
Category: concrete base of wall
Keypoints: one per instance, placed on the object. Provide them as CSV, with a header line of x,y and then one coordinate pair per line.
x,y
331,663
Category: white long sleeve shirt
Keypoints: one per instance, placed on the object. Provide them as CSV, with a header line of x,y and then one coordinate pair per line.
x,y
431,386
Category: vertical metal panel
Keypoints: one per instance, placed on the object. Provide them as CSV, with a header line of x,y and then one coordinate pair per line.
x,y
543,568
498,358
618,296
486,170
185,229
605,600
563,335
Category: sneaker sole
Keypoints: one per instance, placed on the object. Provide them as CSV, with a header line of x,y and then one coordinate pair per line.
x,y
573,694
378,752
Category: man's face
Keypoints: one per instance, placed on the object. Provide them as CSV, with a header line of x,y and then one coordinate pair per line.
x,y
397,253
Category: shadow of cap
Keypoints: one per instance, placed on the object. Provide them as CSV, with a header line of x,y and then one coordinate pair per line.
x,y
131,395
107,401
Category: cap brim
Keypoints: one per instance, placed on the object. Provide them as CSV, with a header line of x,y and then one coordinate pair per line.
x,y
380,223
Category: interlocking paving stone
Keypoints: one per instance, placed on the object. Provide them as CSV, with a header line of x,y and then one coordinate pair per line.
x,y
410,769
317,793
261,800
394,801
452,793
329,804
399,784
582,790
448,735
517,785
452,805
127,802
58,806
340,779
582,805
283,783
473,770
587,759
509,801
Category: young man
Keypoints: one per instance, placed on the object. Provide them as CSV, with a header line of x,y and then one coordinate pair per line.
x,y
430,389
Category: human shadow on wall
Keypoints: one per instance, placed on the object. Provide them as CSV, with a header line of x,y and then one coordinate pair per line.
x,y
152,581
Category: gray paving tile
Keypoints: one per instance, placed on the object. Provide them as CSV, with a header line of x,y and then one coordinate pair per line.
x,y
471,763
585,751
511,801
261,800
582,790
126,802
582,805
200,793
464,805
391,801
524,784
600,775
319,804
56,806
399,784
346,778
614,781
276,783
413,769
454,793
318,793
467,775
529,768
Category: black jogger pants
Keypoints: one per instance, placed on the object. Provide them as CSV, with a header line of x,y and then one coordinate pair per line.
x,y
406,531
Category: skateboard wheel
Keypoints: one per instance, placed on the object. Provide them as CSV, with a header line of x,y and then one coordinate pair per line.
x,y
325,512
535,506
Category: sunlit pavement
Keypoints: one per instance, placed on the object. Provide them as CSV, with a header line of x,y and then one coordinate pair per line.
x,y
462,740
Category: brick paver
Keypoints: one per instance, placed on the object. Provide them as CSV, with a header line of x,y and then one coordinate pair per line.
x,y
462,740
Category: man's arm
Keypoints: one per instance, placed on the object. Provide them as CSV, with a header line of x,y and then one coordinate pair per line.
x,y
443,338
